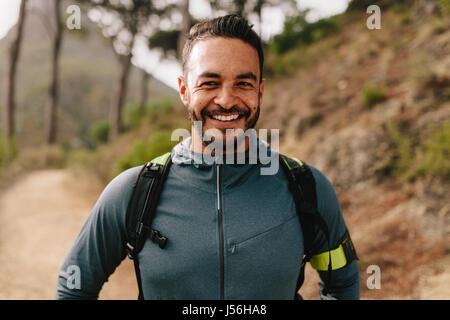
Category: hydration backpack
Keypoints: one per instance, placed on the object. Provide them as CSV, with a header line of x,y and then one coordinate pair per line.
x,y
148,187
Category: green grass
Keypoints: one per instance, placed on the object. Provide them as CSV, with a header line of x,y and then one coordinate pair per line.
x,y
431,156
372,94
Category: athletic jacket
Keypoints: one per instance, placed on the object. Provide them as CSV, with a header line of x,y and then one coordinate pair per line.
x,y
252,249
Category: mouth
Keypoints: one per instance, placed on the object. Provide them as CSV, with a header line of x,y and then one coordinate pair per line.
x,y
225,118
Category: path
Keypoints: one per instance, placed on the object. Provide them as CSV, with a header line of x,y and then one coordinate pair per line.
x,y
40,217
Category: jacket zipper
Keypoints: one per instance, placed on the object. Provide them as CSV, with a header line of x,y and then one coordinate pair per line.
x,y
220,218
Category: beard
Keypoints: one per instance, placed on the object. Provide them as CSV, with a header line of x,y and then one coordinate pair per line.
x,y
250,123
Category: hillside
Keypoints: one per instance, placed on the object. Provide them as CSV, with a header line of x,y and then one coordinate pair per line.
x,y
393,198
88,69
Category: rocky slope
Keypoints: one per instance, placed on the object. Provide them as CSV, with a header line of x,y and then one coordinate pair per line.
x,y
399,223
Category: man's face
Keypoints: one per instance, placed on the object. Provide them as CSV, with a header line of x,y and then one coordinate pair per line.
x,y
222,88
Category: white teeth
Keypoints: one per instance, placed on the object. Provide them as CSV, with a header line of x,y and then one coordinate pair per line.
x,y
226,118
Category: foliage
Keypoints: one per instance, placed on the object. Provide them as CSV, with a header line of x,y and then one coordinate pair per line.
x,y
144,151
297,32
8,150
99,132
166,40
435,153
372,95
135,114
444,6
361,5
430,157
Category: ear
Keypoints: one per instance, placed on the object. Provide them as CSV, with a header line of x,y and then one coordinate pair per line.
x,y
182,90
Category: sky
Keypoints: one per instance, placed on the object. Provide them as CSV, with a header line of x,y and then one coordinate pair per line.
x,y
168,71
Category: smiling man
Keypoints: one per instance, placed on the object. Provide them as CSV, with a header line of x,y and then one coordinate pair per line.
x,y
217,230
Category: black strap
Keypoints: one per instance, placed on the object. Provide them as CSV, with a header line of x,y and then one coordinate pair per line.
x,y
141,211
303,187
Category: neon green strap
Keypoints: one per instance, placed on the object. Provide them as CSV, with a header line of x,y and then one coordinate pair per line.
x,y
299,162
338,259
161,160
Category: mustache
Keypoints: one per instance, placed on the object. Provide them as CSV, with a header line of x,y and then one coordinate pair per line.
x,y
220,110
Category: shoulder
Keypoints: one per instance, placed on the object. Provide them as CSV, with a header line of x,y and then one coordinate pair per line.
x,y
113,201
324,188
122,185
328,204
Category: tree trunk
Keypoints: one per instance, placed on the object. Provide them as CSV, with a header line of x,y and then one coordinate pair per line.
x,y
116,120
144,91
14,51
54,89
185,26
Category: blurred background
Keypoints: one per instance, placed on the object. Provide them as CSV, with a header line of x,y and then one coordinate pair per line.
x,y
88,89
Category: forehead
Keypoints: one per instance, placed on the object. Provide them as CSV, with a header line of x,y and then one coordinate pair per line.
x,y
225,56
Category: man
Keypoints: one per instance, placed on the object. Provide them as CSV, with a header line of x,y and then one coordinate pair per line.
x,y
233,232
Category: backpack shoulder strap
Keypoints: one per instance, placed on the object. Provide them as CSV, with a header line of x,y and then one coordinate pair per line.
x,y
142,207
143,201
303,188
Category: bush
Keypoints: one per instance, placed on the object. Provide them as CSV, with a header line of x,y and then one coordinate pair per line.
x,y
431,156
297,31
144,151
8,150
361,5
402,161
135,115
434,156
444,6
372,95
99,132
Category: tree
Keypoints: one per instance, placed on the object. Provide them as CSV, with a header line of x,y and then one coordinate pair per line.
x,y
129,18
246,8
14,52
54,88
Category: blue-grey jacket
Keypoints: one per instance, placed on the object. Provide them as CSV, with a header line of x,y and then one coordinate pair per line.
x,y
251,248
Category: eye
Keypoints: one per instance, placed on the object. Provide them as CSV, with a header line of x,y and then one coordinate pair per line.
x,y
245,84
209,84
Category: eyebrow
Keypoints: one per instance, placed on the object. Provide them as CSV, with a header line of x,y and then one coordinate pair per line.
x,y
208,74
247,75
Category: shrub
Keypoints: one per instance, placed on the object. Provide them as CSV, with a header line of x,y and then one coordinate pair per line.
x,y
434,156
444,6
402,161
8,150
372,95
135,115
297,31
99,132
144,151
431,156
361,5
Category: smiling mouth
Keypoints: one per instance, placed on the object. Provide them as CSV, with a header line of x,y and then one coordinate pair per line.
x,y
225,118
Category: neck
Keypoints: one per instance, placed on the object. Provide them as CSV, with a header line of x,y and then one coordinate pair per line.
x,y
198,145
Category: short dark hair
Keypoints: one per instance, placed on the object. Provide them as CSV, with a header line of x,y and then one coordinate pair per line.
x,y
229,26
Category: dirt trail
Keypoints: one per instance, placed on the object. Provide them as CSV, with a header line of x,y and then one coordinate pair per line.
x,y
40,217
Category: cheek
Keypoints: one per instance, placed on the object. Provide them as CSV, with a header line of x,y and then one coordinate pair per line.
x,y
199,102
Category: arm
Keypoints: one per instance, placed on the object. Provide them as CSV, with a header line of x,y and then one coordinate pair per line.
x,y
100,245
344,281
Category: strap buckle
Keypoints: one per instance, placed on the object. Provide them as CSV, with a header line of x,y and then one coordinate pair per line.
x,y
130,251
156,237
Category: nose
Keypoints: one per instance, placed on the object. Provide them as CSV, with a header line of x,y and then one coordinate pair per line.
x,y
226,98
